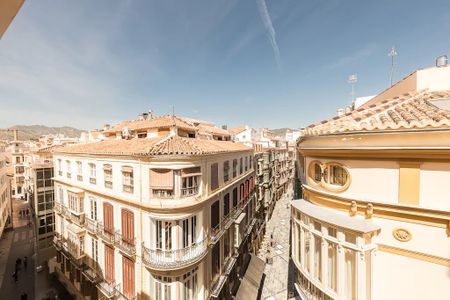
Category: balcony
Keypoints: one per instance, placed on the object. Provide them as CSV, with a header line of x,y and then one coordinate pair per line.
x,y
79,177
162,194
77,218
109,289
125,245
107,235
91,270
58,207
91,226
65,212
173,259
92,180
69,175
188,192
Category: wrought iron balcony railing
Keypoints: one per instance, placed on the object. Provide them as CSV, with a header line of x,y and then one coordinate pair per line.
x,y
105,234
77,218
109,289
58,207
126,245
91,225
169,259
92,270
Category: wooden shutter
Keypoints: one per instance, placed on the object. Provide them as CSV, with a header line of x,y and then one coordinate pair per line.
x,y
128,277
128,226
108,217
109,264
161,179
214,176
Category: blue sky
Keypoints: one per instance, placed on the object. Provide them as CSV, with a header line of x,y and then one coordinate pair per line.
x,y
265,63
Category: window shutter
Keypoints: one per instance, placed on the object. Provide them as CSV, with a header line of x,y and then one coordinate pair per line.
x,y
161,179
214,176
108,217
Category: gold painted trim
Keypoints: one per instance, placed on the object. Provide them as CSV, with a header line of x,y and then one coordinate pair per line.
x,y
324,167
416,255
399,212
402,234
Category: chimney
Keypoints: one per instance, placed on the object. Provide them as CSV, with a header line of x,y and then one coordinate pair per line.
x,y
106,127
145,116
340,112
16,134
441,61
150,114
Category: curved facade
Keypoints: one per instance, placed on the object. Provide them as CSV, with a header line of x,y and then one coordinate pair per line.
x,y
168,227
374,221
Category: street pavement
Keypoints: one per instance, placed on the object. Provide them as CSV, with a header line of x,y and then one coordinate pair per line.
x,y
17,243
275,284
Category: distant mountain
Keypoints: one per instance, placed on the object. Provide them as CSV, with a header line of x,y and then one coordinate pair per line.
x,y
33,132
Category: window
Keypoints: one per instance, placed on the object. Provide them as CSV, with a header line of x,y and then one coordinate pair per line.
x,y
128,277
93,208
317,258
317,172
79,171
59,165
240,165
246,163
190,179
235,197
307,251
215,216
92,173
163,235
45,200
163,288
94,250
190,290
332,266
109,264
338,175
107,173
214,176
215,261
161,183
226,204
44,178
189,231
69,169
128,226
235,162
74,202
226,171
350,274
127,180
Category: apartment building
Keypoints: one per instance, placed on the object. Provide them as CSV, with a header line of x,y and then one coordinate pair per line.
x,y
160,217
18,150
5,192
374,221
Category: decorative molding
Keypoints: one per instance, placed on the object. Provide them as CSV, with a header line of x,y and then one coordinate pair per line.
x,y
414,254
402,234
393,211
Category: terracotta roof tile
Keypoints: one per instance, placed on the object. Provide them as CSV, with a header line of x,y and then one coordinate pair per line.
x,y
411,110
173,145
159,122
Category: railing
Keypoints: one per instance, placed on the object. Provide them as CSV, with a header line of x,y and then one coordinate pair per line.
x,y
125,244
92,180
191,191
58,207
168,259
105,234
109,289
79,177
70,250
91,225
65,211
77,218
216,232
164,194
92,269
108,184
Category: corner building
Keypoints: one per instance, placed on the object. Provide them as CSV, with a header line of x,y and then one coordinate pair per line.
x,y
374,221
153,218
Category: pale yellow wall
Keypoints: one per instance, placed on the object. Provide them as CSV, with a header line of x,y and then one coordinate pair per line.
x,y
370,180
398,277
434,185
409,183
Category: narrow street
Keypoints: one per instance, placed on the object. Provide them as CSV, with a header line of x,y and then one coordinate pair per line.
x,y
14,244
276,273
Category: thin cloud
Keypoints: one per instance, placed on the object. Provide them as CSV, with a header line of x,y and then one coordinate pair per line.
x,y
267,21
354,57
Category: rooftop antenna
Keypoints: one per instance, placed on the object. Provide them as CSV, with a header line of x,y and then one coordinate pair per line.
x,y
353,79
393,53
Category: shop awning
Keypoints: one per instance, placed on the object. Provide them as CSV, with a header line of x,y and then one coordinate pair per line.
x,y
251,283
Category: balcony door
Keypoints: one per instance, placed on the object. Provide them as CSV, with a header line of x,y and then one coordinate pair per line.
x,y
108,217
128,277
164,237
128,226
109,264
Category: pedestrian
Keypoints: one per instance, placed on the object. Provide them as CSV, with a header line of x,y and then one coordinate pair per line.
x,y
24,296
25,262
16,277
28,212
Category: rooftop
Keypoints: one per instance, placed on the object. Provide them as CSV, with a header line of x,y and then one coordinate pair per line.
x,y
158,122
172,145
413,110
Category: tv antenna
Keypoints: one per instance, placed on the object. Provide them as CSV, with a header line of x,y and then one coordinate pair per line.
x,y
393,53
353,79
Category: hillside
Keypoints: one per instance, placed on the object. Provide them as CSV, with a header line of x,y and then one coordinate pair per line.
x,y
33,132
